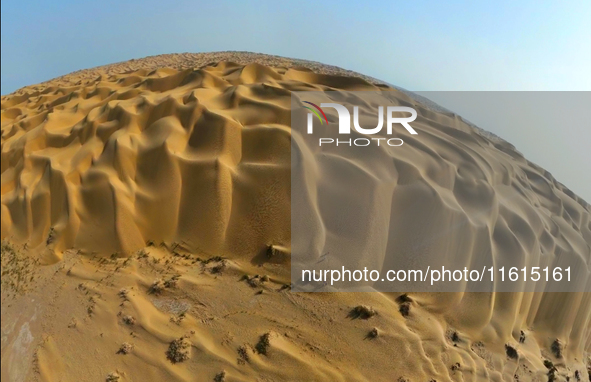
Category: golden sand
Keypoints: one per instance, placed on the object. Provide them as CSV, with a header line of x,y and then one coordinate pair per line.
x,y
139,201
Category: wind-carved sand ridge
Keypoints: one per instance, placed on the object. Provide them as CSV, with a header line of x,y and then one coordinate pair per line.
x,y
146,236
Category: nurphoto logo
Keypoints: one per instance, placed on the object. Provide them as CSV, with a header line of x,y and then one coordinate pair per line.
x,y
393,116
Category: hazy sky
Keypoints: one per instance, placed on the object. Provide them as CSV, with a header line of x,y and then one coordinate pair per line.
x,y
418,45
551,129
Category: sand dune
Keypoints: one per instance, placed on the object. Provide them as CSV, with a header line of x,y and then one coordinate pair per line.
x,y
146,236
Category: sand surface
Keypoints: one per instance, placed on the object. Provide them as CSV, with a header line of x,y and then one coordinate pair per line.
x,y
146,236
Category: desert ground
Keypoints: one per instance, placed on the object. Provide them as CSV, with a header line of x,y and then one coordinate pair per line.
x,y
146,237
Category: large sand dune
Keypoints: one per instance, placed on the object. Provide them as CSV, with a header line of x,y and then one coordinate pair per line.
x,y
140,201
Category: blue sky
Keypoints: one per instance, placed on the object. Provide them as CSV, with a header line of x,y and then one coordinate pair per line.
x,y
419,45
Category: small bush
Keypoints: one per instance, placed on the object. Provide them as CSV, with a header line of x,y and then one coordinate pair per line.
x,y
179,350
404,309
362,311
50,236
374,333
125,348
556,348
220,377
157,287
511,352
129,320
123,293
172,282
244,354
264,343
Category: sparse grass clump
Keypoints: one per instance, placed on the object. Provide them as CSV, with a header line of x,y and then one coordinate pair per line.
x,y
220,377
253,281
244,353
511,352
551,370
179,350
404,302
522,337
172,282
157,287
404,309
142,253
125,348
556,348
264,343
218,268
50,236
178,319
123,293
362,311
129,320
374,333
113,377
453,335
